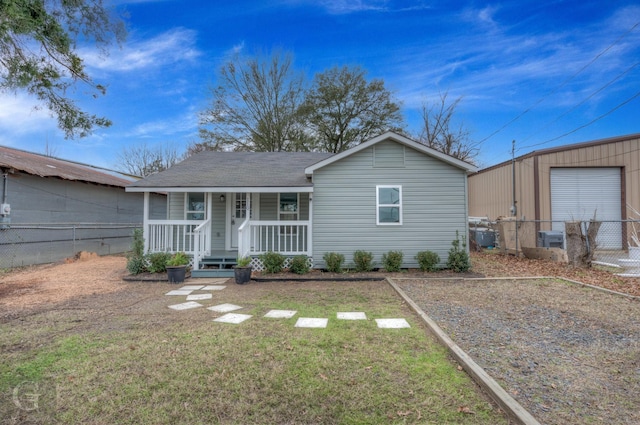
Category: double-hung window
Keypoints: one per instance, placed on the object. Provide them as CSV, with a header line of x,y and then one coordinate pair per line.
x,y
288,210
195,206
388,205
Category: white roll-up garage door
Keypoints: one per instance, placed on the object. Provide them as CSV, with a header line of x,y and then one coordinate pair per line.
x,y
581,193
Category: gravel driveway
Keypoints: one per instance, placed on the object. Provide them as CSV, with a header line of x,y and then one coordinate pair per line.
x,y
568,354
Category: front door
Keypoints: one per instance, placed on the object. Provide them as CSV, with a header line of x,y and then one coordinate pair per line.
x,y
237,209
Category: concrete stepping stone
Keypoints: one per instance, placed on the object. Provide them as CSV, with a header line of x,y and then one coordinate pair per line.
x,y
392,323
224,308
185,306
310,322
194,297
213,288
180,292
234,318
353,315
213,280
192,287
281,314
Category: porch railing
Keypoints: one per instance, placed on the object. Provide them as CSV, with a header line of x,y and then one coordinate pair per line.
x,y
285,237
178,235
201,236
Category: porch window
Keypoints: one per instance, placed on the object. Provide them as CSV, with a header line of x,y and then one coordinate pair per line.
x,y
194,206
388,205
288,210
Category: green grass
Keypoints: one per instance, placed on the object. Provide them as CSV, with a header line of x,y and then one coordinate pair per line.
x,y
262,371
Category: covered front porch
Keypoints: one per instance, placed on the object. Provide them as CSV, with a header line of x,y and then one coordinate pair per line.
x,y
217,227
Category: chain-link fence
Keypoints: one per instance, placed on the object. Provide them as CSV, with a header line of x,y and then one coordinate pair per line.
x,y
617,243
27,244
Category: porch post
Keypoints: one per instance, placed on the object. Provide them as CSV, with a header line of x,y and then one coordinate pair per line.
x,y
145,222
310,228
248,206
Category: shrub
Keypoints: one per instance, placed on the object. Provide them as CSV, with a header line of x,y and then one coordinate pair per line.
x,y
273,262
458,259
158,262
243,262
137,245
392,261
333,261
299,264
136,265
427,260
363,261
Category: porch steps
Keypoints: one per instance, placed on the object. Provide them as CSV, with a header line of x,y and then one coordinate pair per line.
x,y
215,266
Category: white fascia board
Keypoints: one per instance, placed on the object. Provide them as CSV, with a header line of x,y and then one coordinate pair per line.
x,y
302,189
396,138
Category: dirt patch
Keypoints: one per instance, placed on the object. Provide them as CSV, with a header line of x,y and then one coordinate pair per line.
x,y
568,354
54,283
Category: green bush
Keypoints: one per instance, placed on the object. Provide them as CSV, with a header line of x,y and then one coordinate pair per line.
x,y
392,261
363,261
158,262
273,262
333,261
458,259
137,245
428,261
299,264
136,265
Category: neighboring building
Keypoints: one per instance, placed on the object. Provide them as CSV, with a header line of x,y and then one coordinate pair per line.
x,y
52,209
389,193
574,182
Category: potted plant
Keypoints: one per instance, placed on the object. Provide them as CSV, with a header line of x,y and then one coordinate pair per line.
x,y
177,267
242,271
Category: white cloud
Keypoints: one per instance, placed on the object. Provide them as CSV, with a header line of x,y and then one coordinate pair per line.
x,y
19,115
170,47
184,123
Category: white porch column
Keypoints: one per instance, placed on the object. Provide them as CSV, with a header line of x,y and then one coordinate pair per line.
x,y
310,228
248,206
145,222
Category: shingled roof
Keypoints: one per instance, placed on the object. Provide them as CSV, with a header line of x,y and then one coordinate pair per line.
x,y
46,166
212,169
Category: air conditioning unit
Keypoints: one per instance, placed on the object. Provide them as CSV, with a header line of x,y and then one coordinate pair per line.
x,y
551,239
483,237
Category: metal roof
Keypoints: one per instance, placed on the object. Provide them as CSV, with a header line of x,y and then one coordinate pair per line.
x,y
211,169
47,166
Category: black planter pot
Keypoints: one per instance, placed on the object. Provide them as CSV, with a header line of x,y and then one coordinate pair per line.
x,y
242,275
176,274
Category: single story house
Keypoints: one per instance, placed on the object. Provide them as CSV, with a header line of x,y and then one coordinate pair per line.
x,y
52,208
389,193
573,182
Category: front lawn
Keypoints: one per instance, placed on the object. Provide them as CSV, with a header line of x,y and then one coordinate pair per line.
x,y
126,358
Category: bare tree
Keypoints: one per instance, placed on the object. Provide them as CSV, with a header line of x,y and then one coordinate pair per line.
x,y
255,106
143,160
440,132
342,109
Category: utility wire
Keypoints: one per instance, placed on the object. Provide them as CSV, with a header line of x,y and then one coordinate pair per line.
x,y
564,83
576,106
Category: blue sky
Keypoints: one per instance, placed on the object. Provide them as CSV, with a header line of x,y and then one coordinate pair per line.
x,y
544,73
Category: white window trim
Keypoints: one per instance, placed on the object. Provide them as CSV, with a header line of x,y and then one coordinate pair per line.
x,y
379,205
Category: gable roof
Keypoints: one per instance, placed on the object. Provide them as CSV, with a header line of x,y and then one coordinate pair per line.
x,y
47,166
399,139
226,171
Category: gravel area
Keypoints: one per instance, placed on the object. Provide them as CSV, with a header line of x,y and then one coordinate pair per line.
x,y
568,354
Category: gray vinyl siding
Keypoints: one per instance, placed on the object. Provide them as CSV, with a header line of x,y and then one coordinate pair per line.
x,y
344,205
176,205
218,223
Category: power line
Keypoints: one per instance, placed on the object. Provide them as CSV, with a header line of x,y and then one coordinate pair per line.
x,y
577,105
564,83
